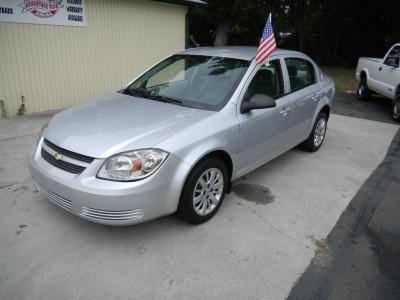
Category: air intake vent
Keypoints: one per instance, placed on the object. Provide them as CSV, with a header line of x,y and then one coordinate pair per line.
x,y
56,199
123,215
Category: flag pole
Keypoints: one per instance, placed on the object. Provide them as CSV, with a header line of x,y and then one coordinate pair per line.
x,y
270,18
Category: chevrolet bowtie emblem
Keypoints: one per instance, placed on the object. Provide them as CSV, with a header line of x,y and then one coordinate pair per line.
x,y
57,156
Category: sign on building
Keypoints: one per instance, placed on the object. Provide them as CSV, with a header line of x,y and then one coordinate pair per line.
x,y
52,12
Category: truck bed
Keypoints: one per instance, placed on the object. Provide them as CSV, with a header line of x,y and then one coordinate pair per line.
x,y
373,59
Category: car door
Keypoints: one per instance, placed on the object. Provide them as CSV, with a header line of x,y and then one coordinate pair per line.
x,y
389,76
264,133
305,91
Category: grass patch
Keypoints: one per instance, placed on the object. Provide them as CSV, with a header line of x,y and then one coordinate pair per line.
x,y
320,244
343,77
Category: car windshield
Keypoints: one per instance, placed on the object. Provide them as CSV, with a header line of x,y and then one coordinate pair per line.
x,y
203,82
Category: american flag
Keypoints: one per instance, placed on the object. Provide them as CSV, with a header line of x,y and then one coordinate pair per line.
x,y
267,44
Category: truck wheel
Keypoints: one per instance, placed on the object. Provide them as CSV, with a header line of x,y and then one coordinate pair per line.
x,y
396,108
363,92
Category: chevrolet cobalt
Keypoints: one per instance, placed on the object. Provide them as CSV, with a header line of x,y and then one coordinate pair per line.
x,y
175,138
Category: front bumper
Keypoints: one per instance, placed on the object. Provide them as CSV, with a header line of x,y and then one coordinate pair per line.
x,y
110,202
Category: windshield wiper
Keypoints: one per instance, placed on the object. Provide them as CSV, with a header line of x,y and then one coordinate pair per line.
x,y
165,99
127,91
147,95
134,92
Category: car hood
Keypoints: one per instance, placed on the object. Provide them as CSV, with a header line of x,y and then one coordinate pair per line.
x,y
117,123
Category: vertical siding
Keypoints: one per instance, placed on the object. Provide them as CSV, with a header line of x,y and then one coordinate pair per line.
x,y
58,66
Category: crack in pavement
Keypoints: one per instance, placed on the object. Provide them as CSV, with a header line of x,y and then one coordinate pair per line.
x,y
276,229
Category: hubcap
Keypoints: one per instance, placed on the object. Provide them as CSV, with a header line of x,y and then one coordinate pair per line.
x,y
361,88
208,191
319,133
396,108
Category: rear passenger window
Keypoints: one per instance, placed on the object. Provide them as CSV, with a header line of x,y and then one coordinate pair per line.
x,y
301,73
267,81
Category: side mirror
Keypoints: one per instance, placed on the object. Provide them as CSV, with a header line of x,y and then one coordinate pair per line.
x,y
258,101
393,61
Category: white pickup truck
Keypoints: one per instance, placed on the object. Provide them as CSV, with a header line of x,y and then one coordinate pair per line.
x,y
381,76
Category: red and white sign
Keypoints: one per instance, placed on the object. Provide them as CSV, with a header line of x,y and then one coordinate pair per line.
x,y
52,12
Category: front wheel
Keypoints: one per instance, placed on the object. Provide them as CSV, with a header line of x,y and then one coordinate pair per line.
x,y
317,135
363,92
204,191
396,108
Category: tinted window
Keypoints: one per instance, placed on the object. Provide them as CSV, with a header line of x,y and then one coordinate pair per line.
x,y
301,73
267,81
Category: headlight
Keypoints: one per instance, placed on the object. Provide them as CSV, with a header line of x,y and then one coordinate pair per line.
x,y
132,165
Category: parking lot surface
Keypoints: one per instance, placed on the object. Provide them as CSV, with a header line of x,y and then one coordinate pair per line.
x,y
361,260
251,249
377,108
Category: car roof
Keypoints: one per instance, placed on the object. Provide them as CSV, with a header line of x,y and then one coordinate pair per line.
x,y
238,52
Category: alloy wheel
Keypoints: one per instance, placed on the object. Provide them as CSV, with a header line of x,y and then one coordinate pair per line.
x,y
208,191
319,133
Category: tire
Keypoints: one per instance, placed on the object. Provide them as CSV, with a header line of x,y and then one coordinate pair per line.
x,y
317,135
396,108
196,204
363,92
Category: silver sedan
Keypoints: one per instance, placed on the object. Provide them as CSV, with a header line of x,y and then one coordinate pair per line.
x,y
175,138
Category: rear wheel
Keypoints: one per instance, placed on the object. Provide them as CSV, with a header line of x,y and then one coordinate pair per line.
x,y
396,108
317,135
363,92
204,191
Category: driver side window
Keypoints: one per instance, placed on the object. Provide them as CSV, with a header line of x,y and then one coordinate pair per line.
x,y
395,53
267,81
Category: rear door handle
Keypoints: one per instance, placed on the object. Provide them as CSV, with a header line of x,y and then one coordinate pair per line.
x,y
315,97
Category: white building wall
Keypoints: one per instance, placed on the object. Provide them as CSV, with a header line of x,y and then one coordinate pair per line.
x,y
55,67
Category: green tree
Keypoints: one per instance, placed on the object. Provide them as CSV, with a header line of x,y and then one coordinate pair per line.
x,y
233,18
332,32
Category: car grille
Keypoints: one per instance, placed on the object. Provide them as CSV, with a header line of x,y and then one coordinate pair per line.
x,y
68,153
66,166
56,199
123,215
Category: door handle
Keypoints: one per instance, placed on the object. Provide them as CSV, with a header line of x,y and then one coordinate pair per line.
x,y
315,97
380,68
284,111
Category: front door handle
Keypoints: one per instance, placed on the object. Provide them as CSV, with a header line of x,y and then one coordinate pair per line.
x,y
284,111
380,68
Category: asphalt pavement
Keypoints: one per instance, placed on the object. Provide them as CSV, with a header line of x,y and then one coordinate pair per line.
x,y
361,258
377,108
